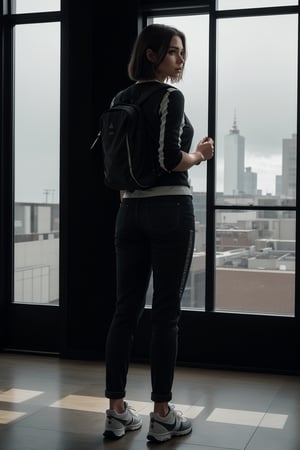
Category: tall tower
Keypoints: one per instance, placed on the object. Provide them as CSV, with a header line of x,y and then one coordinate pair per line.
x,y
288,186
234,161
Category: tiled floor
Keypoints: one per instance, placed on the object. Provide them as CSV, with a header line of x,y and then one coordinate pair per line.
x,y
47,403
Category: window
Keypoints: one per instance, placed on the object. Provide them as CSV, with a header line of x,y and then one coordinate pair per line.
x,y
256,145
36,160
256,107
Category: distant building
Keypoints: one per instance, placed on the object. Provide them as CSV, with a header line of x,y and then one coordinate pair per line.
x,y
289,147
278,185
199,200
36,253
250,182
234,161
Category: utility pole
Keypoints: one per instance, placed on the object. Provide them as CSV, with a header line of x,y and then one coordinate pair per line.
x,y
47,192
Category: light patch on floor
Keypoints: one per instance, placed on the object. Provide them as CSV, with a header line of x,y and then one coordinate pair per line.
x,y
9,416
274,421
100,404
18,395
82,403
248,418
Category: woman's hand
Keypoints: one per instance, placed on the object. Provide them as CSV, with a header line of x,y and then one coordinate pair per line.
x,y
203,152
206,148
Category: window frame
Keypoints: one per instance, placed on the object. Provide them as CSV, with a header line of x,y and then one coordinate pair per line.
x,y
17,316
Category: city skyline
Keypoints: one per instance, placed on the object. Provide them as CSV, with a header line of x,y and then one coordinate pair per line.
x,y
241,179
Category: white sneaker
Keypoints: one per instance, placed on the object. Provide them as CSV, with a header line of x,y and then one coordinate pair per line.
x,y
116,424
164,428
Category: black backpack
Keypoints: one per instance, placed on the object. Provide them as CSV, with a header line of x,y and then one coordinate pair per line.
x,y
128,160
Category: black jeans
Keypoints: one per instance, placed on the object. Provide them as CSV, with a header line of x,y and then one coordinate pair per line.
x,y
152,234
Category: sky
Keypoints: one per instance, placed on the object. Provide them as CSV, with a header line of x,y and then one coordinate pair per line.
x,y
256,81
37,112
233,4
36,108
27,6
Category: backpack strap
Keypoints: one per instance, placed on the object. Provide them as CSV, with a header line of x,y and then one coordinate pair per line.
x,y
125,96
148,92
138,100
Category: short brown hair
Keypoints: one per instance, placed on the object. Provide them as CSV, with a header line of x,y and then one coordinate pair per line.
x,y
157,37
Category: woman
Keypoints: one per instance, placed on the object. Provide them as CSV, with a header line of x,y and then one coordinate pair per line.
x,y
155,232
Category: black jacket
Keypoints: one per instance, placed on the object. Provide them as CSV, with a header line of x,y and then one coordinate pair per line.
x,y
170,130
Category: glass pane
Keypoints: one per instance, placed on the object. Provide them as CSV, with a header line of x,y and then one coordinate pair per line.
x,y
255,261
245,4
32,6
195,89
256,109
36,138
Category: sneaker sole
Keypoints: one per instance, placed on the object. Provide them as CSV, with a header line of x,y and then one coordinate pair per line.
x,y
167,436
111,435
117,434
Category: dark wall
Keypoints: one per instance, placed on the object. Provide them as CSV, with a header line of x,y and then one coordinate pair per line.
x,y
96,42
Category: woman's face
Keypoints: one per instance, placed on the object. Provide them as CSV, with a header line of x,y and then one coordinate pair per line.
x,y
173,63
